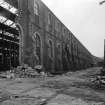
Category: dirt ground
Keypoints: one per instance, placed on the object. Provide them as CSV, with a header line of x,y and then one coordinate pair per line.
x,y
74,88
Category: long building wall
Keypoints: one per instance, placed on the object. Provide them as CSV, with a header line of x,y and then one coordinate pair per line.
x,y
45,40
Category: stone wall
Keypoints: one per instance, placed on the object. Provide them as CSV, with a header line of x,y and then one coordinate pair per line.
x,y
46,43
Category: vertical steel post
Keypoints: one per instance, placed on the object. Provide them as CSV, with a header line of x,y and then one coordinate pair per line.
x,y
104,53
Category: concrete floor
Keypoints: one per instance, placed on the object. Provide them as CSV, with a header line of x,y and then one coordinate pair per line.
x,y
71,89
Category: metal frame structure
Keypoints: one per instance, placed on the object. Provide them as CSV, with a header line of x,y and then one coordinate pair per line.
x,y
9,36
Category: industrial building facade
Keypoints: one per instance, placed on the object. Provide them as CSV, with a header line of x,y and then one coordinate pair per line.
x,y
35,36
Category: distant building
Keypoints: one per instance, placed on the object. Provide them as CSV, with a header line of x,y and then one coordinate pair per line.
x,y
38,37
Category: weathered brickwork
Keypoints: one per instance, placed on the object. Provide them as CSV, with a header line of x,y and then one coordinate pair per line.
x,y
57,49
45,40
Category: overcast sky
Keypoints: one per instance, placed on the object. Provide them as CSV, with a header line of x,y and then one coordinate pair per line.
x,y
85,18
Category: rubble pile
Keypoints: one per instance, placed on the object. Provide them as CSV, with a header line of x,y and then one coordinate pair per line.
x,y
25,72
99,80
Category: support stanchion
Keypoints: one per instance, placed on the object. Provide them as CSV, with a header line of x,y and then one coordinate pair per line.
x,y
104,54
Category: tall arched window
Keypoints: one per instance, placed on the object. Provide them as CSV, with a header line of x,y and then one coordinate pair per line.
x,y
49,18
59,50
50,49
37,47
36,8
37,39
21,41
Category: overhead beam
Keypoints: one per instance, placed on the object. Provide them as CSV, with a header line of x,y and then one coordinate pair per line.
x,y
8,29
7,14
14,3
9,38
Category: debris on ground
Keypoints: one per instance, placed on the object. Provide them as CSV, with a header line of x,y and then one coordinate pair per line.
x,y
24,71
67,89
99,80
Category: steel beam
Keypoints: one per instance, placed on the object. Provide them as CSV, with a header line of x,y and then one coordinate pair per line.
x,y
104,53
9,29
14,3
4,12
